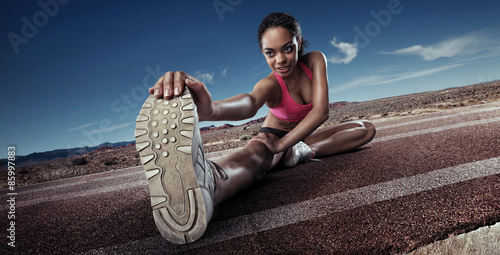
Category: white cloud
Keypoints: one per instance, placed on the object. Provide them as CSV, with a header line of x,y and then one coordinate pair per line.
x,y
110,129
260,66
205,77
224,72
384,79
81,127
350,50
452,47
409,75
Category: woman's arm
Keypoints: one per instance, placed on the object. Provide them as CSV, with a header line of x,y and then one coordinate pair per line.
x,y
243,106
239,107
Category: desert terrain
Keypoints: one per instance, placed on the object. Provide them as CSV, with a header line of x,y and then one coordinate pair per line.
x,y
226,137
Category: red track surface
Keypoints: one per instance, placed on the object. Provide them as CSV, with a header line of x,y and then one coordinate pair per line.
x,y
422,179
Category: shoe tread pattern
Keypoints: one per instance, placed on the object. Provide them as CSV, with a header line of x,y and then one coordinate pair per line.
x,y
164,132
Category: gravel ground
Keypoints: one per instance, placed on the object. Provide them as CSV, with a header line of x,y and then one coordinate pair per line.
x,y
222,139
393,107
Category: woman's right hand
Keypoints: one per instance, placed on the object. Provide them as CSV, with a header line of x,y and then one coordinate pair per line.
x,y
172,84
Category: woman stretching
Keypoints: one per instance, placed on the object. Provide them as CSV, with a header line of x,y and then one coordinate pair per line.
x,y
184,186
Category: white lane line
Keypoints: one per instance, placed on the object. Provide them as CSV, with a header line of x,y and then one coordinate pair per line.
x,y
314,208
36,188
439,118
221,154
81,182
436,129
422,131
119,185
67,196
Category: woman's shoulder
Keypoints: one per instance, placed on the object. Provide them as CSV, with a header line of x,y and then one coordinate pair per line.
x,y
270,88
268,81
313,59
315,54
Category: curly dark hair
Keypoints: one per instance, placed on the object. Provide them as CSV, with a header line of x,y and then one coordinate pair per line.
x,y
285,20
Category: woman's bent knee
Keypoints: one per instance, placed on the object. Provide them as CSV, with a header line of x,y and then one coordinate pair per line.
x,y
371,130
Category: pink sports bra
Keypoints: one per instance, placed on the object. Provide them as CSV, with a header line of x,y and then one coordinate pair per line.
x,y
288,109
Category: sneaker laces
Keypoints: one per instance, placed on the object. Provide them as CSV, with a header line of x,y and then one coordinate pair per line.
x,y
217,169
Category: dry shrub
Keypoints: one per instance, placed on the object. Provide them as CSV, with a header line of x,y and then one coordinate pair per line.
x,y
79,161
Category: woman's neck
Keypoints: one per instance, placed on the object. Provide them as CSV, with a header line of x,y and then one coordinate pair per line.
x,y
294,77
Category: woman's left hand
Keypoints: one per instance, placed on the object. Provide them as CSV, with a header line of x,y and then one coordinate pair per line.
x,y
271,141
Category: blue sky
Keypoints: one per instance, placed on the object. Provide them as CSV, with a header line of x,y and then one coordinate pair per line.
x,y
74,73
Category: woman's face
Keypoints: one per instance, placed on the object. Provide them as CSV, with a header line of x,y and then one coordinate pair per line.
x,y
280,48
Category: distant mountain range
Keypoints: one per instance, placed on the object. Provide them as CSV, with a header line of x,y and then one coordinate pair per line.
x,y
60,153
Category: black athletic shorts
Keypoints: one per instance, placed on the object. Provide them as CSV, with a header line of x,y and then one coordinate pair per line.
x,y
274,131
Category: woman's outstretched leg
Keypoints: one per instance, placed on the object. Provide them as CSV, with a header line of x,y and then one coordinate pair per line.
x,y
340,138
242,169
184,186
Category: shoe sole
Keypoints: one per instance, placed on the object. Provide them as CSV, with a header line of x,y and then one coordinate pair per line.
x,y
164,137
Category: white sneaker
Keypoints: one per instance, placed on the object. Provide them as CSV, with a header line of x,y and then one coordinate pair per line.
x,y
181,181
299,153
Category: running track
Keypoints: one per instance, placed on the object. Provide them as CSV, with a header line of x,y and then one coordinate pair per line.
x,y
423,178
